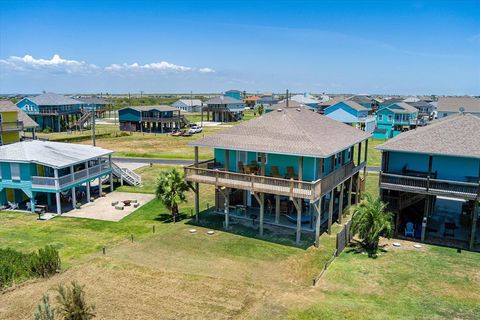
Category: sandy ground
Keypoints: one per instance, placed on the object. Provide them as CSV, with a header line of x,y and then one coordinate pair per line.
x,y
102,209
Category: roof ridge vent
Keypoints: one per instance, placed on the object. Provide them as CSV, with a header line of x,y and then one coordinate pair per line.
x,y
279,110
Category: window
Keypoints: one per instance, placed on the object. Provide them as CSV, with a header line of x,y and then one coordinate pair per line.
x,y
259,157
15,171
389,117
242,156
349,154
380,117
445,114
323,166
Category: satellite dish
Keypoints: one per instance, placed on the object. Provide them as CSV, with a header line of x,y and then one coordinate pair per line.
x,y
461,109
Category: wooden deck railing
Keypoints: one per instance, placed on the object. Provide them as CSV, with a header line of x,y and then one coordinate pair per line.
x,y
163,119
429,186
255,183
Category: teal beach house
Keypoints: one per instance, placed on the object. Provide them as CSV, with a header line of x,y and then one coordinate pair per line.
x,y
291,168
394,119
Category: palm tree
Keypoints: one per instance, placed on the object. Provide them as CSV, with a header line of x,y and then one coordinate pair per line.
x,y
370,221
171,188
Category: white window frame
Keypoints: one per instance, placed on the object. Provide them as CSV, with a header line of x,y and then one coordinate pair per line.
x,y
390,118
15,167
242,156
259,159
380,117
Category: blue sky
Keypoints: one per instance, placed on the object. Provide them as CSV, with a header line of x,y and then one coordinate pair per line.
x,y
407,47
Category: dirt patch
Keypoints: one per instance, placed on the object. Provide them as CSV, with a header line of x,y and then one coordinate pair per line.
x,y
404,245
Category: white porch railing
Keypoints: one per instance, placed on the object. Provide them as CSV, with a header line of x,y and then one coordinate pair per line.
x,y
69,179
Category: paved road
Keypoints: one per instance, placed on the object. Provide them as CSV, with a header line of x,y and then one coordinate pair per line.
x,y
182,162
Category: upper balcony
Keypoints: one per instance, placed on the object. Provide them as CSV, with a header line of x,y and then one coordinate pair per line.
x,y
427,185
210,172
11,126
164,119
70,179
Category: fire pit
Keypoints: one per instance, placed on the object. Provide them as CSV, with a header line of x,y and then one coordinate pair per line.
x,y
127,202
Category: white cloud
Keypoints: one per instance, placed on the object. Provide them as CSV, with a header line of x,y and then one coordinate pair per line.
x,y
162,66
55,64
58,64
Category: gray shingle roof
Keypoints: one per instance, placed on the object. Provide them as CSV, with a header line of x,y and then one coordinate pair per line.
x,y
354,105
92,100
360,99
190,102
456,135
54,154
295,131
223,100
453,104
53,99
406,108
420,104
8,106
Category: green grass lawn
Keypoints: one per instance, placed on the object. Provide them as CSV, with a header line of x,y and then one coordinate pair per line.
x,y
374,156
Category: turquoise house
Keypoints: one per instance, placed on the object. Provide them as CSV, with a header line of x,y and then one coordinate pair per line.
x,y
394,119
51,175
54,111
224,109
150,119
351,113
290,168
430,177
235,94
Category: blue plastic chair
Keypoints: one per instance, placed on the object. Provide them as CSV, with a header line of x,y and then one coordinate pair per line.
x,y
410,230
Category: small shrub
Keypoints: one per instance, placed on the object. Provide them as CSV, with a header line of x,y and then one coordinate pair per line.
x,y
47,130
46,262
73,305
44,310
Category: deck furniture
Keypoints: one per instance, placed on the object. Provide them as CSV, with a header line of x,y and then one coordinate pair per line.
x,y
274,172
241,167
13,205
241,208
127,202
291,173
410,230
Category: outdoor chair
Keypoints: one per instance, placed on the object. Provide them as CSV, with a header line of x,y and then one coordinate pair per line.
x,y
274,172
241,168
409,230
13,205
291,173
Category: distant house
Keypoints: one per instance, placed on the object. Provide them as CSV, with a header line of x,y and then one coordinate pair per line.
x,y
389,101
235,94
188,105
307,99
54,111
394,119
268,100
351,113
452,105
362,100
224,109
424,108
94,103
13,121
152,119
251,101
430,179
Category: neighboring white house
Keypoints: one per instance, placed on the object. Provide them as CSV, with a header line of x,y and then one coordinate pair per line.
x,y
452,105
188,105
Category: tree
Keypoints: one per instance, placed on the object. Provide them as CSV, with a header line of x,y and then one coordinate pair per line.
x,y
73,305
171,188
44,310
370,221
260,109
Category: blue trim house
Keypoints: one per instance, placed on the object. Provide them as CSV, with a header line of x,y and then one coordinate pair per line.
x,y
394,119
224,109
188,105
51,173
453,105
151,119
291,168
53,111
430,177
306,99
351,113
234,94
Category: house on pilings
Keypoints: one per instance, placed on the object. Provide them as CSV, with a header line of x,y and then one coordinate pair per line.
x,y
290,168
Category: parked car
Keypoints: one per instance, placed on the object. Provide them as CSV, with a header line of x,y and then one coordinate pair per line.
x,y
195,129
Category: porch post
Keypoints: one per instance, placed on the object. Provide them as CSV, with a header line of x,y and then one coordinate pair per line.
x,y
111,182
330,210
340,203
357,193
277,208
318,209
32,202
298,205
227,209
365,168
59,204
99,187
74,198
426,211
55,174
474,225
227,159
262,211
350,186
88,191
359,155
197,201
